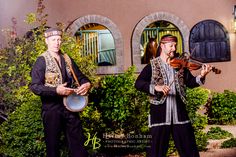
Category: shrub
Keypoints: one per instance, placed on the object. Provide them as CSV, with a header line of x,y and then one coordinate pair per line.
x,y
21,134
229,143
123,110
16,62
120,103
217,133
222,108
196,98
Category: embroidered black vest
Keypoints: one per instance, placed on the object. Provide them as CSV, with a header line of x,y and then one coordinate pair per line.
x,y
53,75
159,77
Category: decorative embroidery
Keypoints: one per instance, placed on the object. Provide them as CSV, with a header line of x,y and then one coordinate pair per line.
x,y
159,77
68,63
53,75
180,86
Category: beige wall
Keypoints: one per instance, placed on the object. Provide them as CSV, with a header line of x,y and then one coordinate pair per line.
x,y
126,14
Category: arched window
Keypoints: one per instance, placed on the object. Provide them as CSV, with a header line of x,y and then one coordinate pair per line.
x,y
117,65
146,21
209,42
98,42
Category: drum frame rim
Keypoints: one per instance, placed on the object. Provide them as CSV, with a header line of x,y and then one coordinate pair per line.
x,y
75,110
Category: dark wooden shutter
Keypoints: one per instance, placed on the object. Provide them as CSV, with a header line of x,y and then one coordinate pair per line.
x,y
209,42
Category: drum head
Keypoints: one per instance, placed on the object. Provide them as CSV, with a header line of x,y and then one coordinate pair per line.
x,y
75,102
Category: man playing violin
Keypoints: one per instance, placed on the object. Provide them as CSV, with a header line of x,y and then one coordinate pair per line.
x,y
51,79
166,87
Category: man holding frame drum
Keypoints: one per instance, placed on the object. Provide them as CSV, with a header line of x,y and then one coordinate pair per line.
x,y
52,77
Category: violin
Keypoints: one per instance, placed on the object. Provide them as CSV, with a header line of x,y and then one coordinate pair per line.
x,y
178,63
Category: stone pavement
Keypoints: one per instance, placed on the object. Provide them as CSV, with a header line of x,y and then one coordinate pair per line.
x,y
214,145
213,148
229,152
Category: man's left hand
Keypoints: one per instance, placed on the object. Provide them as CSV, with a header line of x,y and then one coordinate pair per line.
x,y
83,89
205,70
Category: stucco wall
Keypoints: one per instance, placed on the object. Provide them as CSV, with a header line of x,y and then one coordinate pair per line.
x,y
126,14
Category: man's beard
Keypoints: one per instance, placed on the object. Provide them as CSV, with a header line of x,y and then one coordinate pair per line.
x,y
171,54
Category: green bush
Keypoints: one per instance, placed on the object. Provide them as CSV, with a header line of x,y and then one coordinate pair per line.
x,y
16,62
21,134
229,143
120,103
196,98
217,133
123,110
222,108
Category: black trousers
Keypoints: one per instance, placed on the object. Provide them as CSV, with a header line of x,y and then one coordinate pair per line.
x,y
57,121
183,137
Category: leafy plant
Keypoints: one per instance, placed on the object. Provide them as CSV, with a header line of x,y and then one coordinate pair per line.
x,y
120,102
229,143
196,98
123,110
217,133
21,134
222,108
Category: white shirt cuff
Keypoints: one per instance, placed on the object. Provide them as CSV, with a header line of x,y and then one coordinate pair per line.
x,y
198,80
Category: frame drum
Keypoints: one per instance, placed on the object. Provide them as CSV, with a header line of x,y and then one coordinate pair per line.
x,y
75,103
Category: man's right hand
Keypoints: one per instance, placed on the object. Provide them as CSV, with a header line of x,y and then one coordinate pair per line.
x,y
165,89
63,90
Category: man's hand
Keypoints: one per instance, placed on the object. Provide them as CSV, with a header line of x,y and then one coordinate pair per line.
x,y
63,90
83,89
205,70
165,89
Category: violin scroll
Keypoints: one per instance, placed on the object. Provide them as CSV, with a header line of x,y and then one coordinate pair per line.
x,y
216,71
